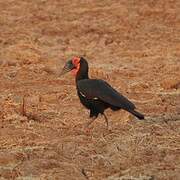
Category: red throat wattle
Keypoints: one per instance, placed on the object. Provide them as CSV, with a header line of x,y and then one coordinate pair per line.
x,y
76,62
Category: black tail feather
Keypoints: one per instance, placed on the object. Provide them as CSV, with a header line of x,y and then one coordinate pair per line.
x,y
137,114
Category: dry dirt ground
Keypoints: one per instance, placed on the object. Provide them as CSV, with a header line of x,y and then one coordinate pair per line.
x,y
134,45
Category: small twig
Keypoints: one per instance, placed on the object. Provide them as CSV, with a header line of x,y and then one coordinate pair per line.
x,y
23,109
84,173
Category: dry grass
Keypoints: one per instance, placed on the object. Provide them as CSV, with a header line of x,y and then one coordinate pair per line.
x,y
132,45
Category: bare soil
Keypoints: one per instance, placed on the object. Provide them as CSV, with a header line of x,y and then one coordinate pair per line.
x,y
134,45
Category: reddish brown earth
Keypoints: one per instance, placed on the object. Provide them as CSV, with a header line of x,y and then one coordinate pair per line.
x,y
134,45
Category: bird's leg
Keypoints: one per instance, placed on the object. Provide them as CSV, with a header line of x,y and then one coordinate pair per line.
x,y
91,121
87,129
106,119
93,115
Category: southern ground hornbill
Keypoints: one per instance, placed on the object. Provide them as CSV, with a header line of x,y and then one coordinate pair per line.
x,y
96,94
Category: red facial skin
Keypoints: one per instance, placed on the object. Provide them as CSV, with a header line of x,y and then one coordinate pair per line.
x,y
76,62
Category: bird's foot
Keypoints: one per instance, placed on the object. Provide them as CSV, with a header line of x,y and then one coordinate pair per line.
x,y
90,122
87,128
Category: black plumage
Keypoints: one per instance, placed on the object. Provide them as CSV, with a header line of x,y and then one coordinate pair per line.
x,y
96,94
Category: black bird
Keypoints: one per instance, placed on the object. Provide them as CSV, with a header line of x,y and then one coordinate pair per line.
x,y
96,94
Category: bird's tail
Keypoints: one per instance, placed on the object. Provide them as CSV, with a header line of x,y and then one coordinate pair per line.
x,y
137,114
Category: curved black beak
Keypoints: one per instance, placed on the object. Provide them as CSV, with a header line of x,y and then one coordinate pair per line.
x,y
68,67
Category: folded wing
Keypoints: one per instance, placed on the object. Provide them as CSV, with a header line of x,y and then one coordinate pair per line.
x,y
99,89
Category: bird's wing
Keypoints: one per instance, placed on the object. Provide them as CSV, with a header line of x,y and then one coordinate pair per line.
x,y
99,89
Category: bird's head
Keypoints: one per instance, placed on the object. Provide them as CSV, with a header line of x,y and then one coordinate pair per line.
x,y
72,65
75,65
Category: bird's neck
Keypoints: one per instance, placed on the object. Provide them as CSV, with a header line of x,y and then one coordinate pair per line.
x,y
82,75
83,70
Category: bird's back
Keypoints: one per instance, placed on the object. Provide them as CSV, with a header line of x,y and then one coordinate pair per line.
x,y
99,89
